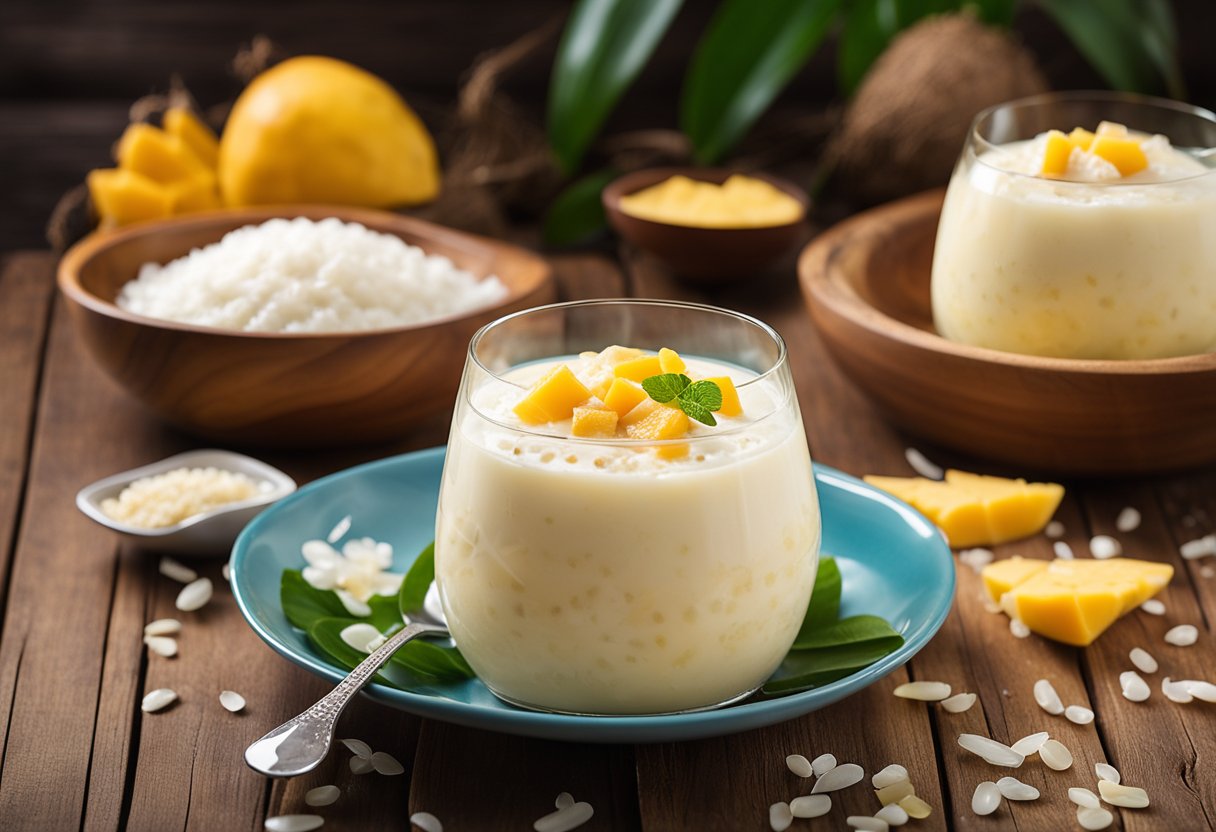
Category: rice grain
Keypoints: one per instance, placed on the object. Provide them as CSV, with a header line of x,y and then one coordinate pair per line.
x,y
1030,744
1079,714
1018,628
1084,798
1104,547
566,819
1143,660
1134,688
1176,691
799,764
888,776
922,466
841,777
157,700
915,807
322,795
893,814
162,645
996,753
232,701
426,822
822,764
194,595
1055,755
294,823
867,823
1127,797
1128,520
163,627
959,703
1153,607
386,764
1094,818
1105,771
780,816
986,799
923,691
811,806
1062,550
1184,635
177,571
1014,789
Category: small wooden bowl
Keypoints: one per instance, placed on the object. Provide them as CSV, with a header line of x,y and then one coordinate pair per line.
x,y
285,389
710,255
866,282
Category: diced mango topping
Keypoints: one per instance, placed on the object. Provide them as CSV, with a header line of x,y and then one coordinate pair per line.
x,y
124,196
1055,154
730,396
1124,154
595,422
157,155
623,396
639,369
1073,601
976,510
200,138
1080,137
670,361
553,397
656,423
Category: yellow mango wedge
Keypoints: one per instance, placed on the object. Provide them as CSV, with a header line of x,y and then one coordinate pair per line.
x,y
553,398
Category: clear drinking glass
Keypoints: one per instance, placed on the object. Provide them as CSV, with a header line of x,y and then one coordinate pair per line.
x,y
612,576
1104,270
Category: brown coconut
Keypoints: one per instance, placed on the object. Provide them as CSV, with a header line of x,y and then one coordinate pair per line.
x,y
904,129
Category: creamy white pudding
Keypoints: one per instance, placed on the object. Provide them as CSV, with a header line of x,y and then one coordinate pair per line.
x,y
1086,262
605,577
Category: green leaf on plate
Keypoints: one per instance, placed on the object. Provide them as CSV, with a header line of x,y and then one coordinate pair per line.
x,y
303,603
824,608
995,12
804,669
604,47
665,386
386,614
417,581
577,213
325,634
1113,38
853,630
417,663
434,660
746,57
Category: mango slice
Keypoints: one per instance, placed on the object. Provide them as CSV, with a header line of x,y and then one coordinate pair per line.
x,y
661,422
199,193
200,138
595,422
1124,154
152,152
1080,137
1073,601
639,369
623,396
670,361
123,196
553,397
1055,154
977,510
730,396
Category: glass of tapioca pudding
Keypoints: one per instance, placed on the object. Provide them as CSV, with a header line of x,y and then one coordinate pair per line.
x,y
628,521
1082,225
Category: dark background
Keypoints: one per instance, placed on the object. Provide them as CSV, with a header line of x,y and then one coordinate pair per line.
x,y
69,69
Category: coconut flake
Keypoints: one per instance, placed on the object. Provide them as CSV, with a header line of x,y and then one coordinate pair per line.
x,y
889,776
157,700
322,795
1128,797
1018,628
386,764
177,571
1045,694
1093,818
1105,771
893,814
1128,520
1062,550
1184,635
1153,607
1055,755
986,799
1084,798
1014,789
840,777
780,816
194,595
1134,688
339,531
799,765
1104,547
822,764
294,823
811,806
1079,714
996,753
162,645
959,702
1055,529
1143,660
426,822
923,691
1176,691
163,627
232,701
1030,744
566,819
921,465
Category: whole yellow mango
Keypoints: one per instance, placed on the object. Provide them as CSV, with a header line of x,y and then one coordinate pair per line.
x,y
315,129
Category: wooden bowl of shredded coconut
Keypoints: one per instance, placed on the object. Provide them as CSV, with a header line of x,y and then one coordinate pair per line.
x,y
300,326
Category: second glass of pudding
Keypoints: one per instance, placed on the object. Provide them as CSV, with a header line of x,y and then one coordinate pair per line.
x,y
1050,245
616,575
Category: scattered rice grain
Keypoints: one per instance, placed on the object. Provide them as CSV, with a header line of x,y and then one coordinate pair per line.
x,y
822,764
1104,547
177,571
1030,744
1055,755
1153,607
921,465
1018,628
1054,529
359,636
1199,548
359,748
888,776
232,701
157,700
426,822
386,764
959,702
986,799
1079,714
566,819
895,792
1062,550
1014,789
1128,520
840,777
1105,771
996,753
294,823
162,645
893,814
1045,694
923,691
339,531
1205,691
1128,797
1134,688
194,595
866,823
799,764
811,806
564,800
780,816
1143,660
322,796
1084,798
163,627
1184,635
1176,691
1093,818
361,765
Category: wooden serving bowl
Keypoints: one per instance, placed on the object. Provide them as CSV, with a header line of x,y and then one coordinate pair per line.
x,y
866,282
709,255
285,389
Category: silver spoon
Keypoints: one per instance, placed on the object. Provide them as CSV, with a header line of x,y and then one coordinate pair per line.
x,y
301,743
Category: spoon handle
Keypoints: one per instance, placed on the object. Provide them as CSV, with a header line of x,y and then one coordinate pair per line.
x,y
301,743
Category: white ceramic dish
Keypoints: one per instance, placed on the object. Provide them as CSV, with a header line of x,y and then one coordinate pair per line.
x,y
209,534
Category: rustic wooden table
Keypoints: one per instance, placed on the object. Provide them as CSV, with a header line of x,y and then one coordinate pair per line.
x,y
78,752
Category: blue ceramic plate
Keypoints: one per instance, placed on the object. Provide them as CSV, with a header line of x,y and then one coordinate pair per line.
x,y
893,561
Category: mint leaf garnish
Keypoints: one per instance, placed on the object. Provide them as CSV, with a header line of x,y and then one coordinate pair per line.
x,y
705,393
698,411
663,388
